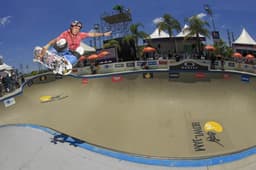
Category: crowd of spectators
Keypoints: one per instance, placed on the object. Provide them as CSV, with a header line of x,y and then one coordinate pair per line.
x,y
10,81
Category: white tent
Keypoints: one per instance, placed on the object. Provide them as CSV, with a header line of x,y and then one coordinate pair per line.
x,y
185,31
5,67
245,38
87,48
156,34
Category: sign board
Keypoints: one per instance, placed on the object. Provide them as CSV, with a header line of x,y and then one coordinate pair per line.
x,y
188,66
9,102
245,78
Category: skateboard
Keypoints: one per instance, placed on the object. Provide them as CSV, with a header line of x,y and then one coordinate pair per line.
x,y
58,64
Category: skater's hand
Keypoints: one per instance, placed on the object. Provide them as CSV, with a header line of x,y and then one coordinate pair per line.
x,y
43,52
107,33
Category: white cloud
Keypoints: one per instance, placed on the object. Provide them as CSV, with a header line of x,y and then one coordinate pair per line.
x,y
157,20
5,20
201,15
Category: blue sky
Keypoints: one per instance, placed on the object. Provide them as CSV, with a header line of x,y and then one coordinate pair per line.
x,y
28,23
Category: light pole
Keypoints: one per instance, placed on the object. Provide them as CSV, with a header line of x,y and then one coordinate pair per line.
x,y
215,33
96,28
209,12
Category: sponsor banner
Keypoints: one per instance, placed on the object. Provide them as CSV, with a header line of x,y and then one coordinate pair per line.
x,y
43,78
163,62
9,102
174,75
216,63
246,66
215,35
140,63
119,65
85,81
108,66
116,79
74,70
130,64
226,76
200,75
152,63
58,76
245,78
148,75
231,64
189,66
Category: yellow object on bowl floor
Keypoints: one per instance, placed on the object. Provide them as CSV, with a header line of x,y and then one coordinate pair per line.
x,y
213,126
45,98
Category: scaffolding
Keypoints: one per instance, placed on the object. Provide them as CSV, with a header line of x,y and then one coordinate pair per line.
x,y
117,22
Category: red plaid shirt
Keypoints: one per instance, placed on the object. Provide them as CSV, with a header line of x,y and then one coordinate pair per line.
x,y
73,40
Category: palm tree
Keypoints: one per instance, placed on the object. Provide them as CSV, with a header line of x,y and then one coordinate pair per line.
x,y
118,8
197,27
134,37
112,43
169,24
223,49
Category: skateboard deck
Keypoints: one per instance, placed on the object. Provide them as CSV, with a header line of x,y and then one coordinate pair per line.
x,y
58,64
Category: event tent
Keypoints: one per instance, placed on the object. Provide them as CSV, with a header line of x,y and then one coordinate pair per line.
x,y
159,34
244,44
4,67
87,48
185,31
245,38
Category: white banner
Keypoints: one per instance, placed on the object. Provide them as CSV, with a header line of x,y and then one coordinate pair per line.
x,y
9,102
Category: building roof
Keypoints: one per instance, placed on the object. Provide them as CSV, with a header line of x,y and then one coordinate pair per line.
x,y
156,34
5,67
185,31
245,38
87,48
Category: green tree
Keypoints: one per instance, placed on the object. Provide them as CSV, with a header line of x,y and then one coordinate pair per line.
x,y
118,8
169,24
197,27
134,36
221,48
112,43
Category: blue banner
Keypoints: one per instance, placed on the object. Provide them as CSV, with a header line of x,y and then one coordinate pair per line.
x,y
152,63
245,78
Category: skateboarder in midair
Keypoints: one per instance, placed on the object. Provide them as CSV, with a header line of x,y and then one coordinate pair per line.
x,y
68,42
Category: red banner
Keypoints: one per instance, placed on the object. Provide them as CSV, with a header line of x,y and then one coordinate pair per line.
x,y
200,75
226,76
117,79
85,81
163,62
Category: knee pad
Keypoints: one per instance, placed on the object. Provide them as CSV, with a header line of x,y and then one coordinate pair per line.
x,y
61,45
80,50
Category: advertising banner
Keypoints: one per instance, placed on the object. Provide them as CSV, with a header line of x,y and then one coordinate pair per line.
x,y
9,102
116,79
188,66
148,75
130,64
245,78
152,63
173,75
119,65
